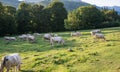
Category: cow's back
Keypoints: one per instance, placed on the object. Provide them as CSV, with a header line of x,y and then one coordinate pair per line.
x,y
13,59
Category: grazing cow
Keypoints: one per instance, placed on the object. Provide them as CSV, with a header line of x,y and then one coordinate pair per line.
x,y
47,36
99,36
95,31
9,61
59,40
75,33
10,38
28,37
31,38
23,37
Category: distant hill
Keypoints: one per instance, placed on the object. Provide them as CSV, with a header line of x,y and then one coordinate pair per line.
x,y
69,4
13,3
117,8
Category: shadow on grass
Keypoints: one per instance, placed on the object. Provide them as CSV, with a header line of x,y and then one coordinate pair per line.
x,y
27,71
113,40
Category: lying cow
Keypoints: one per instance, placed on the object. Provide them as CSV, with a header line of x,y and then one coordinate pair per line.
x,y
9,61
10,38
75,33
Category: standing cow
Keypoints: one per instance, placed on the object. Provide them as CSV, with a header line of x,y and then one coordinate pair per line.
x,y
9,61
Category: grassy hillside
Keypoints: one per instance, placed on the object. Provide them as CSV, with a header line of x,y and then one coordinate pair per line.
x,y
87,55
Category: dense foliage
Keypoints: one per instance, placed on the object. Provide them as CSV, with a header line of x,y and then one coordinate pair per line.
x,y
7,20
86,17
29,18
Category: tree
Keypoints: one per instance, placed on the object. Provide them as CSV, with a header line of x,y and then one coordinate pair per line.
x,y
111,18
10,10
57,13
37,17
7,20
90,17
1,18
1,8
24,18
72,22
8,25
110,15
83,18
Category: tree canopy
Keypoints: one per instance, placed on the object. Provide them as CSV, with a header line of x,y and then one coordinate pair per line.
x,y
86,17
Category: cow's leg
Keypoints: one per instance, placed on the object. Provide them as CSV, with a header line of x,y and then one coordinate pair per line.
x,y
8,69
51,42
18,67
104,39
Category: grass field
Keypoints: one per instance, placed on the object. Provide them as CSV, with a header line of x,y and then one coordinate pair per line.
x,y
87,56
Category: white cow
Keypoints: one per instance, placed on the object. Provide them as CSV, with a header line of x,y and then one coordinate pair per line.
x,y
23,37
95,31
31,38
10,38
58,39
47,36
9,61
28,37
75,33
99,36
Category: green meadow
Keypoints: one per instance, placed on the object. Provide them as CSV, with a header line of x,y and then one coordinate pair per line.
x,y
88,55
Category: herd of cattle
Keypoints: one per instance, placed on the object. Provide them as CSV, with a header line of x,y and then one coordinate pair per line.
x,y
53,37
14,60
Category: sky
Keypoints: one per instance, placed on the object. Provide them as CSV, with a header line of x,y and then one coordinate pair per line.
x,y
31,0
20,0
95,2
104,2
